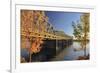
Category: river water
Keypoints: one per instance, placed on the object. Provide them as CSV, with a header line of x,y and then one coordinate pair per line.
x,y
72,52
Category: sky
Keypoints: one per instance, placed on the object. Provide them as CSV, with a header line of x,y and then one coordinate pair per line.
x,y
63,20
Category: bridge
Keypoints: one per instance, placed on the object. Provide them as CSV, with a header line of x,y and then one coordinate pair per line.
x,y
36,24
46,35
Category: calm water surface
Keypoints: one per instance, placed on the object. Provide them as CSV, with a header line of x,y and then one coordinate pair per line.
x,y
70,53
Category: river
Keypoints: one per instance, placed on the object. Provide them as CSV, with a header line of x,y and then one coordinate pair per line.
x,y
72,52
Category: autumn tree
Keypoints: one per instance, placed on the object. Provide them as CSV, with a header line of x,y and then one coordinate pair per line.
x,y
31,23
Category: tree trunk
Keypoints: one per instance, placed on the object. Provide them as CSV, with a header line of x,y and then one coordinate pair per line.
x,y
85,51
30,57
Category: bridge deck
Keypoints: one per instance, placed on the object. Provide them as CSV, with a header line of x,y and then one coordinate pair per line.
x,y
45,35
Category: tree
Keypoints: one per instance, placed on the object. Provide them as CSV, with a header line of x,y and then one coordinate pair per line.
x,y
81,30
27,21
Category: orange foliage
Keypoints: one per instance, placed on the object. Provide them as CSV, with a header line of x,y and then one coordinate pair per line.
x,y
36,45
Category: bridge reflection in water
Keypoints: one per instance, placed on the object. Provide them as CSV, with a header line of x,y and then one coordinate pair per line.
x,y
35,29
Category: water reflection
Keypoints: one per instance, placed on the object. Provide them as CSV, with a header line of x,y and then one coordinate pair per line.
x,y
72,53
69,53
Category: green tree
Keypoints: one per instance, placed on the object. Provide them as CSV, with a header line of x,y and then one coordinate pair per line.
x,y
81,30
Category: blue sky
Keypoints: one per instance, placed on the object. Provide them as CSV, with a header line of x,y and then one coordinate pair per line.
x,y
63,20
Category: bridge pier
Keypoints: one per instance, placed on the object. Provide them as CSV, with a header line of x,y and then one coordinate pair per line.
x,y
51,48
62,44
